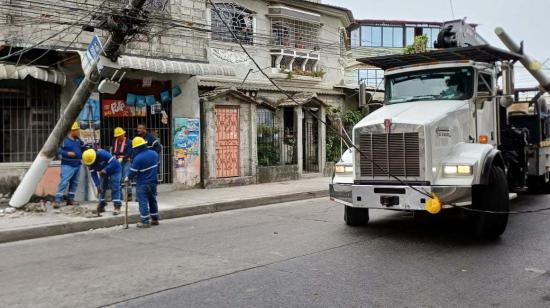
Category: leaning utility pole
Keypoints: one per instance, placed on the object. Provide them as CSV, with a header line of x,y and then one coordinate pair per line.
x,y
533,66
125,26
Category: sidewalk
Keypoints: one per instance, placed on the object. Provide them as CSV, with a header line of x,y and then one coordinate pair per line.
x,y
23,225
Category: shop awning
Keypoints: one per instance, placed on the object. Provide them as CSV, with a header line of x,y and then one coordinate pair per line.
x,y
164,66
11,71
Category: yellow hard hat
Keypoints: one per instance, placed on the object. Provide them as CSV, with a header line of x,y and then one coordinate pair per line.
x,y
75,126
119,132
138,141
88,157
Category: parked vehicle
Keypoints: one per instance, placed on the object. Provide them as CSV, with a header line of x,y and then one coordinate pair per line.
x,y
447,136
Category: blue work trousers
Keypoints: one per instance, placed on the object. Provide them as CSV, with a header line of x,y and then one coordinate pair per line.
x,y
69,178
147,199
111,182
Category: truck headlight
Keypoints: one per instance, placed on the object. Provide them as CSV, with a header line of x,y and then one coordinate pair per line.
x,y
454,170
343,169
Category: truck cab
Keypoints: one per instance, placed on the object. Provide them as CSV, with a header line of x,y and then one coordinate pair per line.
x,y
441,140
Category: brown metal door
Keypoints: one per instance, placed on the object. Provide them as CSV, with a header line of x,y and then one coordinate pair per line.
x,y
227,141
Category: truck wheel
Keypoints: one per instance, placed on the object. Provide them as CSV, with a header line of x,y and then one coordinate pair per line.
x,y
491,197
356,216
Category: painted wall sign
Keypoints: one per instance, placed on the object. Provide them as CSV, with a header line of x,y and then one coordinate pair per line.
x,y
117,108
187,145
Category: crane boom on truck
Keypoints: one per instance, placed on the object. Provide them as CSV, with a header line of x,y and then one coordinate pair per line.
x,y
447,136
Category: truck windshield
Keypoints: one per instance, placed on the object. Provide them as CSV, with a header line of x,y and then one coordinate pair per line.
x,y
437,84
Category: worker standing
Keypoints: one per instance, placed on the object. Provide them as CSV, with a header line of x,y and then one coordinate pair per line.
x,y
106,173
144,168
122,151
71,155
152,142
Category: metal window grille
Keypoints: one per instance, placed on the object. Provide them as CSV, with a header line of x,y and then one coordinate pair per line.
x,y
291,33
276,145
371,77
238,18
29,110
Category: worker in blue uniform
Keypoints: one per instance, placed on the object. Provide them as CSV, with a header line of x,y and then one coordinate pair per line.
x,y
106,173
71,156
122,151
144,169
152,142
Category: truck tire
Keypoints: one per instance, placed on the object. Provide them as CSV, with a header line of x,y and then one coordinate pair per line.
x,y
491,197
356,217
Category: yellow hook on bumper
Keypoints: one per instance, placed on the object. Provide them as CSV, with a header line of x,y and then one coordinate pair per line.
x,y
433,205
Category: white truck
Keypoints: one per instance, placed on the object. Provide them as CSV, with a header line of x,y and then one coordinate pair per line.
x,y
447,136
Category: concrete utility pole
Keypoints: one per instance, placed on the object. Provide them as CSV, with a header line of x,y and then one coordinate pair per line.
x,y
128,25
532,65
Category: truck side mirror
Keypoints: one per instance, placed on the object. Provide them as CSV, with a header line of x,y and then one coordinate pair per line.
x,y
506,100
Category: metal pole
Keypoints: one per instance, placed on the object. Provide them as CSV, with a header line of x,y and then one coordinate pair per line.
x,y
532,65
30,181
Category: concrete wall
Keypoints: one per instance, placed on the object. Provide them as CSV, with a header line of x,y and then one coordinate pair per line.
x,y
278,173
177,43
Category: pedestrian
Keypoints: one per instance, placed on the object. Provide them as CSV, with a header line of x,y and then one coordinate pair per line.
x,y
152,142
122,151
144,169
106,173
71,156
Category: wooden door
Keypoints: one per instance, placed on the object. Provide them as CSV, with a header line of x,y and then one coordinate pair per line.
x,y
227,141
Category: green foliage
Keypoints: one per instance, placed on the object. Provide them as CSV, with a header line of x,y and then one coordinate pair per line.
x,y
349,120
316,74
420,45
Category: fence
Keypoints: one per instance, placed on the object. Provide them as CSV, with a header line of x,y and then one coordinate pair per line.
x,y
29,110
276,144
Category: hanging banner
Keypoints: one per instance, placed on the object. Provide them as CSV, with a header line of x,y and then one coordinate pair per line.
x,y
118,108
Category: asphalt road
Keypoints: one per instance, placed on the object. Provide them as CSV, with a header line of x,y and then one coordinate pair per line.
x,y
298,254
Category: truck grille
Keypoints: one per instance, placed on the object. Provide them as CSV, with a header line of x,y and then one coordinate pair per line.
x,y
397,152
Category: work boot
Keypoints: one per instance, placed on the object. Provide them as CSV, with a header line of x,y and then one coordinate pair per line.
x,y
72,202
100,208
143,225
154,222
56,205
116,211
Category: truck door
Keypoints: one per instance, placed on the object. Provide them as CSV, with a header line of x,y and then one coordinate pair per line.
x,y
486,112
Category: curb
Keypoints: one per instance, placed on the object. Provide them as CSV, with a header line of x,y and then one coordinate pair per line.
x,y
108,222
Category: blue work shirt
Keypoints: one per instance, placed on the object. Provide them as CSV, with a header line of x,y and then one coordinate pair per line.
x,y
104,161
71,145
144,166
122,149
152,142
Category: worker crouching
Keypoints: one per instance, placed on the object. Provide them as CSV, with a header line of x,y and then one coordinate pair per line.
x,y
144,169
106,173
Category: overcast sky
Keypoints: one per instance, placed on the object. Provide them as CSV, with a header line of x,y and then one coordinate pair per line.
x,y
527,20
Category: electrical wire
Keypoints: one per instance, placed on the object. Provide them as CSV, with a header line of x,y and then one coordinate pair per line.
x,y
287,94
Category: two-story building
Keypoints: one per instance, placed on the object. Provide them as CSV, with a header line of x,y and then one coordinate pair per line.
x,y
254,132
43,58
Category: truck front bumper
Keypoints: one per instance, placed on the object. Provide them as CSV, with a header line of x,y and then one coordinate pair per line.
x,y
392,197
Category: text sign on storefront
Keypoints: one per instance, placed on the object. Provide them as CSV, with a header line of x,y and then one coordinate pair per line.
x,y
116,108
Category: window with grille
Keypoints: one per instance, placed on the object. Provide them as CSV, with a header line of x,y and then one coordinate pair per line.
x,y
371,77
240,19
291,33
28,110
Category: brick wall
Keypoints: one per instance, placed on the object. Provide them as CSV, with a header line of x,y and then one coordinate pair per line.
x,y
29,22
